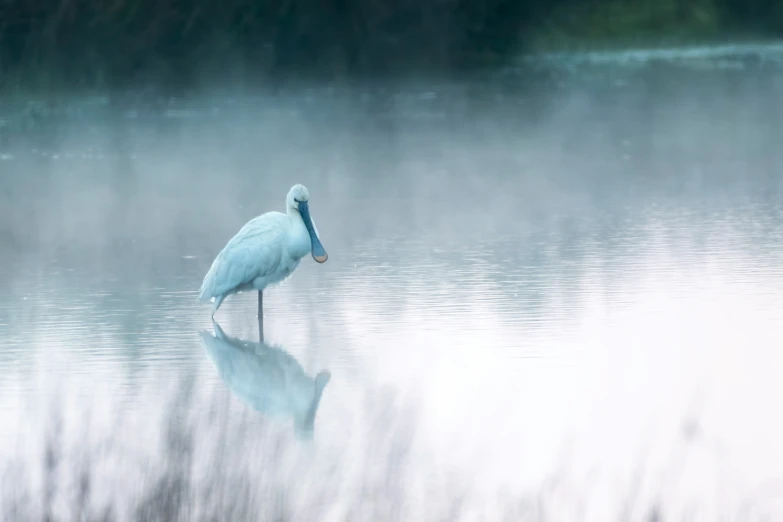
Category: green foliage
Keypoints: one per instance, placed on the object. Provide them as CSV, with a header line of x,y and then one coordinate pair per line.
x,y
121,43
624,20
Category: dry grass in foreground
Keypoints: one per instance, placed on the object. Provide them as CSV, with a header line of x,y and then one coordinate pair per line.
x,y
196,458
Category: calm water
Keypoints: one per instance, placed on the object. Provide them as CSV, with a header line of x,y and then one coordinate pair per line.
x,y
557,299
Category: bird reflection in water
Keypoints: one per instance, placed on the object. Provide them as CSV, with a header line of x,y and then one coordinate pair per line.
x,y
267,378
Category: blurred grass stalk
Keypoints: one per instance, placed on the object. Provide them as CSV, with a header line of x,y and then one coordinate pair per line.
x,y
196,459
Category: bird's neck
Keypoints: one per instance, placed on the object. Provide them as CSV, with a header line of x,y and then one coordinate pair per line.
x,y
296,220
299,238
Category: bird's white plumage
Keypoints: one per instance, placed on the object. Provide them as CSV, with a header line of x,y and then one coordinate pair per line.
x,y
265,251
254,258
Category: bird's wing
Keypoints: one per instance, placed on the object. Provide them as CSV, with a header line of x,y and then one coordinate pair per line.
x,y
253,252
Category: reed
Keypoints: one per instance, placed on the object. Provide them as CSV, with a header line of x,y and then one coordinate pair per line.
x,y
196,457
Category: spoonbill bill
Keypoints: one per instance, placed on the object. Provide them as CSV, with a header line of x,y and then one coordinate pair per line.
x,y
265,251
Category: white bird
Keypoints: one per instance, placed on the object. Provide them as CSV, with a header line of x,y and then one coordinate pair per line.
x,y
266,378
265,251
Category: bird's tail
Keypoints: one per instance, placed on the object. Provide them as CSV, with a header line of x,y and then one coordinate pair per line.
x,y
207,290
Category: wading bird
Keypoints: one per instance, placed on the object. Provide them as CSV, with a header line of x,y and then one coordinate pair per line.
x,y
265,251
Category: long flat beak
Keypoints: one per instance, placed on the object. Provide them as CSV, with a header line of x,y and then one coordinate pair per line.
x,y
317,249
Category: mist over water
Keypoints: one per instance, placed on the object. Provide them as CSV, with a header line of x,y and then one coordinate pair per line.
x,y
550,296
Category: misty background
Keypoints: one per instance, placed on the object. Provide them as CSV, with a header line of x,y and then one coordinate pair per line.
x,y
555,251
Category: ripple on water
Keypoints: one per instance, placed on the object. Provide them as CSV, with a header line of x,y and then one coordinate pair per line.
x,y
583,273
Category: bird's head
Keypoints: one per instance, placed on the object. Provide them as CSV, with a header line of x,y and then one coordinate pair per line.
x,y
298,193
297,201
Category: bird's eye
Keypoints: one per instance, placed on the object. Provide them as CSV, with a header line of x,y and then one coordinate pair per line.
x,y
297,200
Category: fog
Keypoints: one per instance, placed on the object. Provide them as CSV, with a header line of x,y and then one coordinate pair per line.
x,y
552,293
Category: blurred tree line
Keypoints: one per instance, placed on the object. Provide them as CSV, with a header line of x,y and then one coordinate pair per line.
x,y
121,42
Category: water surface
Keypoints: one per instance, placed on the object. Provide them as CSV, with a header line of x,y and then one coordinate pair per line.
x,y
565,289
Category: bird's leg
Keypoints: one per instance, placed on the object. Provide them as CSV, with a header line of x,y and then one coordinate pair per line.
x,y
260,316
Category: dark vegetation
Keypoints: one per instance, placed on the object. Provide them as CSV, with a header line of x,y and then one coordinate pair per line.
x,y
78,44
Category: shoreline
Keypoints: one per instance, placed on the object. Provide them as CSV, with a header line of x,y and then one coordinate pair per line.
x,y
612,52
595,55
